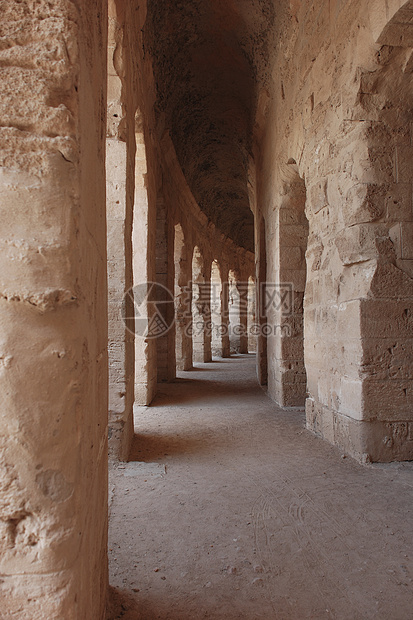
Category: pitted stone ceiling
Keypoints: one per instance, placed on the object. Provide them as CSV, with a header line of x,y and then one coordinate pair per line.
x,y
209,57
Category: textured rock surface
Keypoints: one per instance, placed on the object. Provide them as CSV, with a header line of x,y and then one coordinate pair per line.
x,y
283,126
53,361
340,108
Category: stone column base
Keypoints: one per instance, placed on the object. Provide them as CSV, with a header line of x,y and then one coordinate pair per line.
x,y
366,441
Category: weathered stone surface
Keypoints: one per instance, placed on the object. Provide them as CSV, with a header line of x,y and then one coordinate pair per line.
x,y
280,126
53,319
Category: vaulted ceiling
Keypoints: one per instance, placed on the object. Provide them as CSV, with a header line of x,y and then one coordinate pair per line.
x,y
209,58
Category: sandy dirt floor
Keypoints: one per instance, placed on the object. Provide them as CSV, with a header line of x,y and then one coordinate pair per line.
x,y
229,509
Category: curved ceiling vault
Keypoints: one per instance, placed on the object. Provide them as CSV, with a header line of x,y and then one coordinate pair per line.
x,y
209,57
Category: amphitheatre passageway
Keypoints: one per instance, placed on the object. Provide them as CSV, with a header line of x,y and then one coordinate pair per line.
x,y
229,508
184,179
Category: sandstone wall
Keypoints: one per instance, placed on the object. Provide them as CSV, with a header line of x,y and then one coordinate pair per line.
x,y
53,368
339,108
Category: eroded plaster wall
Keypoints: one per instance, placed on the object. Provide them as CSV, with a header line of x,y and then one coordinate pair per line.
x,y
53,317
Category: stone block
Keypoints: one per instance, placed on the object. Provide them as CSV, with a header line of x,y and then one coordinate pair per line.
x,y
348,320
399,202
403,164
295,324
294,277
387,318
292,348
395,234
407,240
292,258
293,236
350,398
288,216
390,400
387,358
359,243
292,394
364,203
317,196
390,282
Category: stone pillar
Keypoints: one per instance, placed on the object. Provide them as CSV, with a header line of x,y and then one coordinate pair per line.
x,y
143,246
165,343
121,339
287,379
225,325
53,312
120,182
206,304
359,297
201,309
252,336
120,156
261,309
216,291
183,300
242,288
233,313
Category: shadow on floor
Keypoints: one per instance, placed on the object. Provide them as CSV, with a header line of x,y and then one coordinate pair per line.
x,y
184,391
150,448
123,605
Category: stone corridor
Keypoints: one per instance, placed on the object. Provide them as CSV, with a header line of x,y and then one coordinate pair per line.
x,y
229,509
181,183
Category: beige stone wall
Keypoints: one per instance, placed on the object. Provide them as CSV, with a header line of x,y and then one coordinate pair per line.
x,y
340,107
53,489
